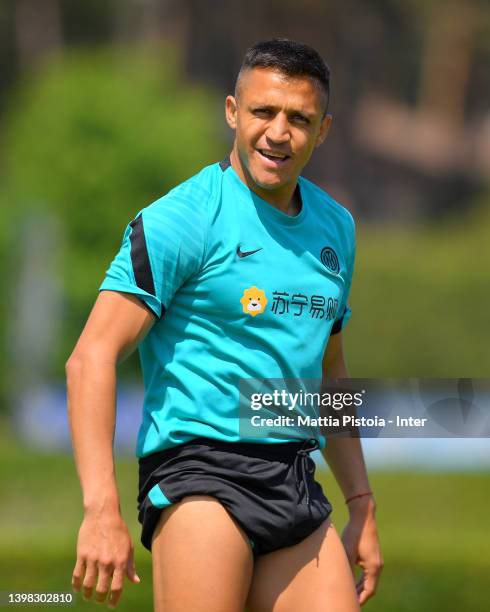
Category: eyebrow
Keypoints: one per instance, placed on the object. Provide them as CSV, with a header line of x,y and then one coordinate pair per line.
x,y
257,106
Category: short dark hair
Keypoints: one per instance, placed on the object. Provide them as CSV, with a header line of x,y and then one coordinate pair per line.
x,y
292,58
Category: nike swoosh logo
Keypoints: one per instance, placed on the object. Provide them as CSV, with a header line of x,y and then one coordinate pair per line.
x,y
241,253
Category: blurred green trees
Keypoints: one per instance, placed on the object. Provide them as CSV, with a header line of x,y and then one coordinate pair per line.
x,y
421,299
88,142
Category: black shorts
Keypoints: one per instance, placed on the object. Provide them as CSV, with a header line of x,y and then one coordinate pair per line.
x,y
269,490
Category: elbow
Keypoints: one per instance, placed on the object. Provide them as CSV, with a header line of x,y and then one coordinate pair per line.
x,y
92,362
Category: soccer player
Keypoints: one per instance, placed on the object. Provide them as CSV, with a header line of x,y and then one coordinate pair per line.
x,y
241,272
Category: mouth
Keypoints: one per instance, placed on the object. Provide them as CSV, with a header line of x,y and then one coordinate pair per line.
x,y
274,158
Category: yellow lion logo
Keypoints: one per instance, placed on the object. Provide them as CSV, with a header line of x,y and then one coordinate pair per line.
x,y
253,301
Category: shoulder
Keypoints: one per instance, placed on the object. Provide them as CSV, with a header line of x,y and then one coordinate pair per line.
x,y
188,203
205,183
330,213
326,206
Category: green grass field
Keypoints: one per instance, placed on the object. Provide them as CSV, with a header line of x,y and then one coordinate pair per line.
x,y
433,527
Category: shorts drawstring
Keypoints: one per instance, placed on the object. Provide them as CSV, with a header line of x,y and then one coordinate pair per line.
x,y
305,463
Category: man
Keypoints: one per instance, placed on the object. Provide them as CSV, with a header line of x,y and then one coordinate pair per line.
x,y
241,272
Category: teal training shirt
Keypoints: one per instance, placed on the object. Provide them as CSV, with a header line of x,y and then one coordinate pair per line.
x,y
240,290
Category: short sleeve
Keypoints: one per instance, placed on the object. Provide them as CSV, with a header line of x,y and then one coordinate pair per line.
x,y
161,248
344,312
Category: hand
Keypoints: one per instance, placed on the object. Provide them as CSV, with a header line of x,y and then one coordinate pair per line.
x,y
361,543
104,557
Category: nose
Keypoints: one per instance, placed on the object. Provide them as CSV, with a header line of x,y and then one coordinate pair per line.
x,y
278,129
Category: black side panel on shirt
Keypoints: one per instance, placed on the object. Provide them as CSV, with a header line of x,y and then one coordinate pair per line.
x,y
337,326
140,258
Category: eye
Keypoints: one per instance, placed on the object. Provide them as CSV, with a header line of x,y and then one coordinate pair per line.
x,y
298,118
262,112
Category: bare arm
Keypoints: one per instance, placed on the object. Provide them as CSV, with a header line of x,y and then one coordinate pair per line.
x,y
117,323
344,455
345,458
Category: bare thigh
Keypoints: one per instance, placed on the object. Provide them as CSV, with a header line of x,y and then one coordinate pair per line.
x,y
201,559
313,575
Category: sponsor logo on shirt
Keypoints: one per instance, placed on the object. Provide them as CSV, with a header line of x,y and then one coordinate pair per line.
x,y
299,304
253,301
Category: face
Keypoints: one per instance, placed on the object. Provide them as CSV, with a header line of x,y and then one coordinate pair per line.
x,y
278,122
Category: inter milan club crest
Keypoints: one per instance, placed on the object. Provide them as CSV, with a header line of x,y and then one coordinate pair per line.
x,y
330,260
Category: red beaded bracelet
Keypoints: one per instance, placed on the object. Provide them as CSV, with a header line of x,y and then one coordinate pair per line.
x,y
356,496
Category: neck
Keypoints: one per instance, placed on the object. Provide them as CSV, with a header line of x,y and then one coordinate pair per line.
x,y
284,198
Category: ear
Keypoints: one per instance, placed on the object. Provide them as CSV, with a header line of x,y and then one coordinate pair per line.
x,y
324,128
231,111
